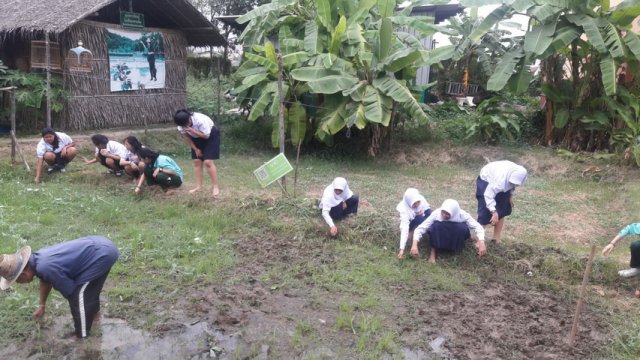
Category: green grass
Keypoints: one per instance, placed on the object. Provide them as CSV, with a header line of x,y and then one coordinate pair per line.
x,y
187,242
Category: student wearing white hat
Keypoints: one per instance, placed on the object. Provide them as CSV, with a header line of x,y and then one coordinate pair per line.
x,y
337,202
448,228
494,191
413,210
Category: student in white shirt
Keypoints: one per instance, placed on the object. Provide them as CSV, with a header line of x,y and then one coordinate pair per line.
x,y
56,149
448,228
494,190
108,153
200,133
131,161
413,209
337,202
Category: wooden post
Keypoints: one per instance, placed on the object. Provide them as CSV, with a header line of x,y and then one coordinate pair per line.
x,y
12,100
48,69
585,280
13,138
281,116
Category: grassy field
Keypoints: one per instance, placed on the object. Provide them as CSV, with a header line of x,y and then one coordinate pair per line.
x,y
261,263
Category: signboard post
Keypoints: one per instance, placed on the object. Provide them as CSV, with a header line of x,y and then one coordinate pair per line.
x,y
273,170
131,20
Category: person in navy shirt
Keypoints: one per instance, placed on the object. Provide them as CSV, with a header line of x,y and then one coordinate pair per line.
x,y
76,268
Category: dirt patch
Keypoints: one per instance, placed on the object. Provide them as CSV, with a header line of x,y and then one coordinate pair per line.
x,y
503,322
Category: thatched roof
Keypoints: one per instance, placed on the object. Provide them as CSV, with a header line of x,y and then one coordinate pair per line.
x,y
56,16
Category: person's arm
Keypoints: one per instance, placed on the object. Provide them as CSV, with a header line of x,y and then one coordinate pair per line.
x,y
109,155
404,232
39,170
92,161
479,230
140,182
167,171
195,132
333,230
607,249
45,290
420,230
189,141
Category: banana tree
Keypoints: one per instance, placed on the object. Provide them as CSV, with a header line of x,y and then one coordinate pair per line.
x,y
351,60
590,37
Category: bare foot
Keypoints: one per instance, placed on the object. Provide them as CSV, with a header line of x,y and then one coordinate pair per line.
x,y
194,190
637,293
432,260
216,191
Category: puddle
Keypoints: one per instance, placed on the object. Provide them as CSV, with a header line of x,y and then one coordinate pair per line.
x,y
115,339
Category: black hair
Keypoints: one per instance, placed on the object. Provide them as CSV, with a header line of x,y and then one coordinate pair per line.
x,y
56,139
135,144
146,153
181,117
99,139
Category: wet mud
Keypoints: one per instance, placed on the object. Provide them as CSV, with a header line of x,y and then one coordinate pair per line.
x,y
251,317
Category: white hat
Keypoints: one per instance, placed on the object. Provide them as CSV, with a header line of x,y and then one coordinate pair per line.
x,y
12,265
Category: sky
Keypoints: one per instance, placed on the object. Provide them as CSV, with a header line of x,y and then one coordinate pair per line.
x,y
483,11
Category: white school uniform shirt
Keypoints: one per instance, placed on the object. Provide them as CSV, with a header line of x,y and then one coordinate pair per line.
x,y
43,147
457,215
331,199
200,122
115,148
502,176
408,213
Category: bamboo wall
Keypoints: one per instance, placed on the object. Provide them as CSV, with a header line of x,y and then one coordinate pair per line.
x,y
92,105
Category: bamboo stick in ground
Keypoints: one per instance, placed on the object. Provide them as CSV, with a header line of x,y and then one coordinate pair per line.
x,y
15,140
585,280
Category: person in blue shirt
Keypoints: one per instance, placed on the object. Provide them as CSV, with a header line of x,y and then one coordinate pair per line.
x,y
159,170
76,268
634,248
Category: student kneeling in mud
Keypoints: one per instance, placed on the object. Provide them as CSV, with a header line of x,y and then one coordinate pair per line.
x,y
337,202
634,263
413,209
448,228
159,170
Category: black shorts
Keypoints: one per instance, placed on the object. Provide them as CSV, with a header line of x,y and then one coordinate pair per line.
x,y
103,161
210,147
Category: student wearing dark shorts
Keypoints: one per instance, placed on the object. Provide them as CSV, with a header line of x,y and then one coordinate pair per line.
x,y
159,170
56,149
108,153
76,268
199,132
494,190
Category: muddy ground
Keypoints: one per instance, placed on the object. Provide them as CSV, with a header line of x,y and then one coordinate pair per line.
x,y
247,318
252,321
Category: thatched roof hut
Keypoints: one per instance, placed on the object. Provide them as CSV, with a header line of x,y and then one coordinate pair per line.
x,y
93,102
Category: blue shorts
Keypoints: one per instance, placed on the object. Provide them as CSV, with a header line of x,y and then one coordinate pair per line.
x,y
503,205
210,147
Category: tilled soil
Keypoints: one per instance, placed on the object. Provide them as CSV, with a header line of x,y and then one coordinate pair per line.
x,y
490,321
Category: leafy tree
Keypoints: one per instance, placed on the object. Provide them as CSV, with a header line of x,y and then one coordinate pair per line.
x,y
344,56
583,45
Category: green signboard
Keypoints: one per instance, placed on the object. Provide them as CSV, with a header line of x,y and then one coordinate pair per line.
x,y
131,20
273,170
